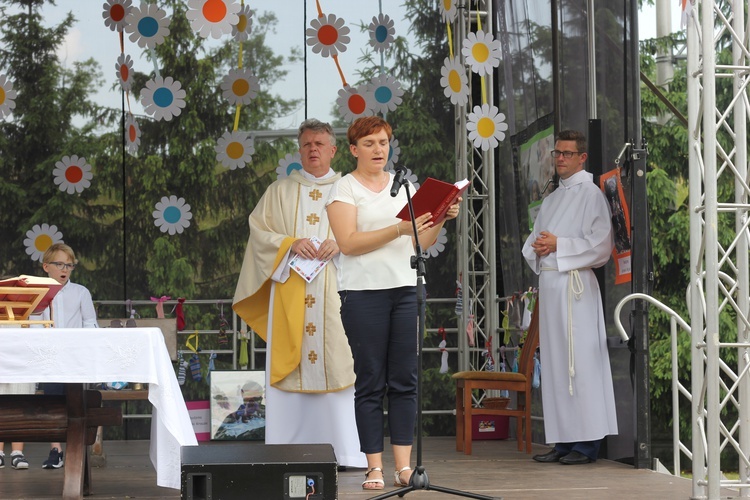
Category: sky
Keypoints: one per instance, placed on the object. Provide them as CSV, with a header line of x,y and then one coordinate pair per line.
x,y
89,37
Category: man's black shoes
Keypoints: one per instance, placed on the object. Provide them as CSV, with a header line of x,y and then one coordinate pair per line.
x,y
549,457
575,458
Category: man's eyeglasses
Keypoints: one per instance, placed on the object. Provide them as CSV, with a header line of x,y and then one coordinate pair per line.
x,y
63,266
566,154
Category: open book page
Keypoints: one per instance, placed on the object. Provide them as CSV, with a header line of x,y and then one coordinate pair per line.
x,y
308,268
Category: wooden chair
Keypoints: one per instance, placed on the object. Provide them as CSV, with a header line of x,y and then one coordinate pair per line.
x,y
519,382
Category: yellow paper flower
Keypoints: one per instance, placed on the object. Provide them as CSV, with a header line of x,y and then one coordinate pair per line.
x,y
448,10
386,93
132,135
234,149
288,164
241,31
172,215
72,174
354,103
212,17
7,96
482,52
163,98
147,25
486,126
381,32
394,151
115,12
454,81
328,35
124,69
39,239
240,86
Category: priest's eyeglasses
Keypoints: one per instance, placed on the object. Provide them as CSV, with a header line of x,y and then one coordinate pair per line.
x,y
566,154
63,266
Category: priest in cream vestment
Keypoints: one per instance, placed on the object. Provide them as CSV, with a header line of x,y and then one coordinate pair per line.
x,y
309,366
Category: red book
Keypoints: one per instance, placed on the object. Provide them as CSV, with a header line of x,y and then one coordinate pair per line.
x,y
436,197
25,281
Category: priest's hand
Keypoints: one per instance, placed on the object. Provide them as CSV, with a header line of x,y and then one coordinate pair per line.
x,y
327,250
545,244
304,248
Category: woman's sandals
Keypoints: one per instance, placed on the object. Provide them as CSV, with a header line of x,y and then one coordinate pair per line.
x,y
397,477
373,484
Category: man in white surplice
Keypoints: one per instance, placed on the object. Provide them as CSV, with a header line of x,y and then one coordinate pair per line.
x,y
309,366
573,234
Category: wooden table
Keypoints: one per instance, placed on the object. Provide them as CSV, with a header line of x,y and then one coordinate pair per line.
x,y
82,356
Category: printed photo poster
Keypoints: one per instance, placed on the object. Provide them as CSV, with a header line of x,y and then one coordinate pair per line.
x,y
238,405
612,187
536,163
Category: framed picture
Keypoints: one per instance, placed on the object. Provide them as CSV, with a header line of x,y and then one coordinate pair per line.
x,y
238,405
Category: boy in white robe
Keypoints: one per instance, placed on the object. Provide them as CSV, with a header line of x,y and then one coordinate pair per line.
x,y
572,235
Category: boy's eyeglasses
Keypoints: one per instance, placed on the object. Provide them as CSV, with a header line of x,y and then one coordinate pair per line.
x,y
566,154
63,266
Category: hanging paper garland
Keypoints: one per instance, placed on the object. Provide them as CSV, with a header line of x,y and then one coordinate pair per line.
x,y
394,150
212,17
385,93
448,10
240,86
482,52
163,98
7,96
454,82
235,149
381,32
147,25
124,69
40,238
354,103
328,36
115,12
241,31
72,174
172,215
132,135
439,245
486,126
289,163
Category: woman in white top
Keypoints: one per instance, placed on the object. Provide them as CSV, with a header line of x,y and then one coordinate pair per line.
x,y
378,296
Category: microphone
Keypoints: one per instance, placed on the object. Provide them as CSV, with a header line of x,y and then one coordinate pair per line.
x,y
398,180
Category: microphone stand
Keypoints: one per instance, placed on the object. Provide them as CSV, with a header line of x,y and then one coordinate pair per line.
x,y
419,479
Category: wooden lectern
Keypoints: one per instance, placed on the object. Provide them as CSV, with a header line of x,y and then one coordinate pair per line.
x,y
25,300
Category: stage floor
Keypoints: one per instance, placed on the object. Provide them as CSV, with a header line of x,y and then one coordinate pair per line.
x,y
495,469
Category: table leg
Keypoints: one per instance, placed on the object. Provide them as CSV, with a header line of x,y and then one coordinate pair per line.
x,y
75,451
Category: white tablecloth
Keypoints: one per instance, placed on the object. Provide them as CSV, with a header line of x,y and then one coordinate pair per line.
x,y
106,355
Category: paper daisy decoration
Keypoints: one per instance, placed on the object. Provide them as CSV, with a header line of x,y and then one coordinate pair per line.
x,y
115,12
394,151
132,135
482,52
147,25
381,32
328,35
7,97
354,103
386,93
172,215
124,69
486,126
212,17
454,81
439,245
72,174
409,176
240,86
234,149
288,164
241,31
163,98
39,239
448,10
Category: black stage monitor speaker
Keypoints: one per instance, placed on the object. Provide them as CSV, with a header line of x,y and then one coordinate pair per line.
x,y
244,470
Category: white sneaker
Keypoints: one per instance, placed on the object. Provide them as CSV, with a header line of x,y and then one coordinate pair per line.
x,y
18,461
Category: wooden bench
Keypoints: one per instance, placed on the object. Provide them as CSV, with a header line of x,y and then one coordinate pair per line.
x,y
72,419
